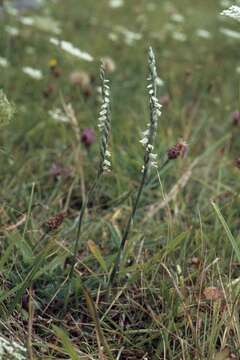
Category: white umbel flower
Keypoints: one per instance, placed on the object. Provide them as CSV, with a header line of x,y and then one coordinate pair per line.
x,y
71,49
4,62
233,12
116,3
33,73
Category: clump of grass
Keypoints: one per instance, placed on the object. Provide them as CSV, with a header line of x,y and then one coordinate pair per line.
x,y
7,110
104,124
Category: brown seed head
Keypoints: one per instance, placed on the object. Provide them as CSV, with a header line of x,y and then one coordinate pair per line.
x,y
54,222
180,149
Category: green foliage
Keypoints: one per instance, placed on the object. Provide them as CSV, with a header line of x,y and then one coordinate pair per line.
x,y
6,109
178,279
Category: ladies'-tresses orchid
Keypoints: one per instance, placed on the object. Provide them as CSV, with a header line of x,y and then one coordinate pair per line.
x,y
155,112
104,124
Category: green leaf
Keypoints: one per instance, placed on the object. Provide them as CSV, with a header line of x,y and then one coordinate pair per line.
x,y
93,312
66,343
97,254
227,230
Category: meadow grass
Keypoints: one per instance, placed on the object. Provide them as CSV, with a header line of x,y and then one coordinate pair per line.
x,y
177,294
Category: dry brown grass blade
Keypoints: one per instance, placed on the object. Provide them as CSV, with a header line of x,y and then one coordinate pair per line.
x,y
171,196
21,221
30,325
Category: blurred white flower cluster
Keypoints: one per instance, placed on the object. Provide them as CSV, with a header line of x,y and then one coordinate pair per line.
x,y
33,73
71,49
233,12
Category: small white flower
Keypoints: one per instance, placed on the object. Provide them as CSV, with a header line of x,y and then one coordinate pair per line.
x,y
11,30
116,3
233,12
179,36
4,62
26,20
103,113
153,156
107,163
107,153
112,36
159,81
177,18
150,147
203,33
33,73
144,141
145,133
102,118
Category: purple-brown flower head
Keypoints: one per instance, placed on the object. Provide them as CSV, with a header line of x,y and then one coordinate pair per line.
x,y
59,170
55,221
180,149
164,100
236,118
237,163
88,137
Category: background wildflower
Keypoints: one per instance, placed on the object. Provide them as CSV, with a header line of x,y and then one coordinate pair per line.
x,y
88,137
108,64
237,163
33,73
80,78
233,12
236,118
180,149
71,49
4,62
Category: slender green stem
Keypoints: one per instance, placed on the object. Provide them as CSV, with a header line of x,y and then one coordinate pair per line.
x,y
79,231
130,221
128,227
80,222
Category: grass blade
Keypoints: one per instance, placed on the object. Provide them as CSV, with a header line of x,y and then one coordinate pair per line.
x,y
66,343
227,230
